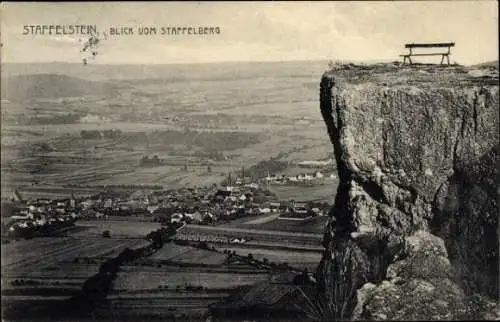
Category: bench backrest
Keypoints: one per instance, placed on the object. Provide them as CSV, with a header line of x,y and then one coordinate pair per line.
x,y
448,44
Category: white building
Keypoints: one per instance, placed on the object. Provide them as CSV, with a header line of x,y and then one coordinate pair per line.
x,y
152,209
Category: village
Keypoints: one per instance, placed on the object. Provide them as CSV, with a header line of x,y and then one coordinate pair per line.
x,y
213,205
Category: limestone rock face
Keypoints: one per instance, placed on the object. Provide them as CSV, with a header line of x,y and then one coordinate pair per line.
x,y
417,150
418,287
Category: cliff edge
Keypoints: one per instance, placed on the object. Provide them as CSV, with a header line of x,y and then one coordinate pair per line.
x,y
417,157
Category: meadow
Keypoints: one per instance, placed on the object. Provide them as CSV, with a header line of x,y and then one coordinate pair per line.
x,y
118,228
313,225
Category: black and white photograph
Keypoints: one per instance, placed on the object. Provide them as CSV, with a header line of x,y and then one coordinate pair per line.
x,y
249,161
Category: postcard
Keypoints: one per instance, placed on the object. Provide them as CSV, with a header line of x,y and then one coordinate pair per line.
x,y
249,161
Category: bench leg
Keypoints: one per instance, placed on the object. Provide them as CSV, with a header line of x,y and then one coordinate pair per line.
x,y
448,59
442,59
409,59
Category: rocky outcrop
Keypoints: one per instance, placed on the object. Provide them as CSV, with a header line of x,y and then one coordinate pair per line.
x,y
417,151
420,286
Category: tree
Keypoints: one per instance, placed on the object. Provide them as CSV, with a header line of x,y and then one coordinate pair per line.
x,y
156,160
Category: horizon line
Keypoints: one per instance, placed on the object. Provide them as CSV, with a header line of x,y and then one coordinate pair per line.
x,y
369,61
207,62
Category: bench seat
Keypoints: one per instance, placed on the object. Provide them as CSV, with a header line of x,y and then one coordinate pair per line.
x,y
430,45
430,54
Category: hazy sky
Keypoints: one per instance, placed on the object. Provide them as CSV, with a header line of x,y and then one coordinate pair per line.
x,y
258,31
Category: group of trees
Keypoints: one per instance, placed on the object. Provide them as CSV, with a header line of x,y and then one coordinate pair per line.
x,y
95,134
162,235
150,162
262,168
96,288
216,155
48,229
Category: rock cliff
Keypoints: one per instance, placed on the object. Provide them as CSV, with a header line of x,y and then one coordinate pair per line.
x,y
417,157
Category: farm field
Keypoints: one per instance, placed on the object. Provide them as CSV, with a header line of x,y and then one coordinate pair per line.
x,y
171,176
55,258
254,232
134,278
297,259
169,251
42,273
197,256
320,192
223,233
244,221
271,222
117,228
313,225
261,219
159,304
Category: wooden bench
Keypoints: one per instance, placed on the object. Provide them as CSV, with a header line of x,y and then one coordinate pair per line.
x,y
435,45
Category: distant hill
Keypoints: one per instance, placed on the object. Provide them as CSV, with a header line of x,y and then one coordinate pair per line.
x,y
19,87
493,64
167,72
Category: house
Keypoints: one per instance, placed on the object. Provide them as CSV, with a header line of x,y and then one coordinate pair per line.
x,y
195,217
275,206
252,185
27,216
152,209
308,177
265,210
87,203
176,218
237,241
